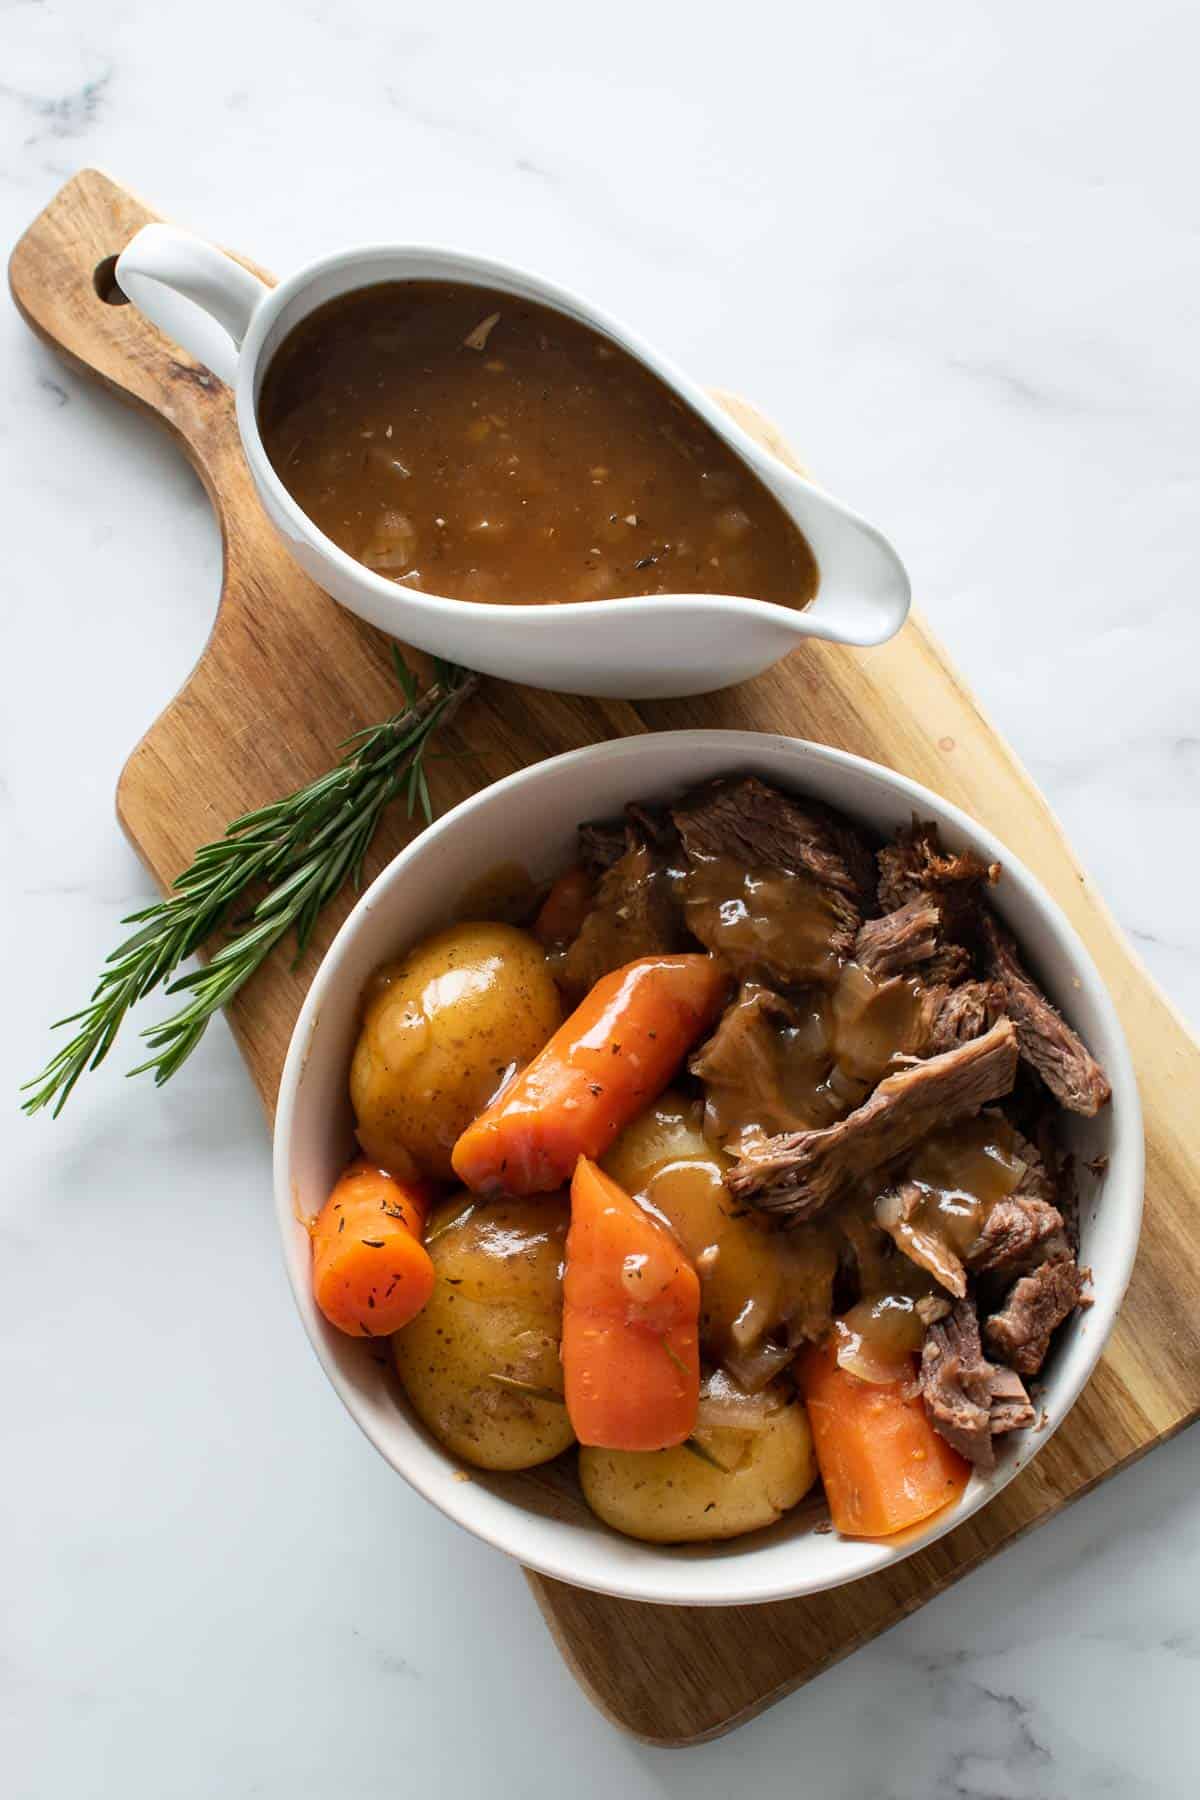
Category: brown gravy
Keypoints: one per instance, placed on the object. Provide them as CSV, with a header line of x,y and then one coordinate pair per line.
x,y
473,445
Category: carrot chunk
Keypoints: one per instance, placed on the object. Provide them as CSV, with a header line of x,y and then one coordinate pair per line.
x,y
612,1057
371,1272
564,908
631,1322
883,1465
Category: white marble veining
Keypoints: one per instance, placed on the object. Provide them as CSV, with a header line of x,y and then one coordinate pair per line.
x,y
955,249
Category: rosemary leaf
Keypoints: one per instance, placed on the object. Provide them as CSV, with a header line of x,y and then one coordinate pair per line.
x,y
530,1390
302,849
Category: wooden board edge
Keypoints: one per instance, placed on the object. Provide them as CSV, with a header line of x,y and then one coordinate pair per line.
x,y
745,1715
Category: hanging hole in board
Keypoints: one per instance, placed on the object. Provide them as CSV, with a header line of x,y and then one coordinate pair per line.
x,y
104,280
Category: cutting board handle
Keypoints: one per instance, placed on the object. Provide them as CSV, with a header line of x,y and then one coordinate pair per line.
x,y
62,276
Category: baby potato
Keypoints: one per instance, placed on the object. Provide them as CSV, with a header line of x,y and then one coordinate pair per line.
x,y
677,1497
495,1311
443,1026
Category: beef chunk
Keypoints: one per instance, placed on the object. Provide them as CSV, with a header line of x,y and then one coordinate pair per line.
x,y
798,1174
653,824
769,925
916,863
932,1307
897,942
739,1067
1047,1042
1018,1233
602,842
968,1400
949,964
1038,1181
899,1211
744,819
633,914
955,1387
962,1013
1036,1306
1010,1407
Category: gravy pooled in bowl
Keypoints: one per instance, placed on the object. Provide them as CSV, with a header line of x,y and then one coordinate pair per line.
x,y
474,445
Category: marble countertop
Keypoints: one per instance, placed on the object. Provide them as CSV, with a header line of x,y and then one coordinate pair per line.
x,y
955,251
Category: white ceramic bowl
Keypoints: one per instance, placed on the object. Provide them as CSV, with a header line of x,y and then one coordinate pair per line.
x,y
531,817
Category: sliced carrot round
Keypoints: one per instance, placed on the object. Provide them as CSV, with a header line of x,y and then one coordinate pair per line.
x,y
371,1272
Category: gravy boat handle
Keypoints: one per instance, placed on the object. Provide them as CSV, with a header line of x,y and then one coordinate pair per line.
x,y
163,266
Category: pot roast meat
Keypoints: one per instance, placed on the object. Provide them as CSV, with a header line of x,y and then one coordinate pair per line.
x,y
969,1401
633,914
898,1210
1047,1042
738,1064
949,965
897,942
775,926
744,819
1018,1233
1036,1306
798,1174
602,842
963,1013
1011,1408
654,823
915,863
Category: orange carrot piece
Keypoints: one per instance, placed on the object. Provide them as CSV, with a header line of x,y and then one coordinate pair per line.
x,y
612,1057
564,908
631,1322
883,1465
371,1272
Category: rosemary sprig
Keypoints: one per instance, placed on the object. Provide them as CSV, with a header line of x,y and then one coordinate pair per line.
x,y
302,849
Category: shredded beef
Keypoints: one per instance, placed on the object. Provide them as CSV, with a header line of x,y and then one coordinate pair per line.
x,y
917,863
968,1400
949,964
798,1174
756,825
898,1211
776,926
1047,1042
1036,1306
897,942
1017,1233
633,914
654,824
963,1013
1037,1180
954,1385
602,842
1011,1408
738,1061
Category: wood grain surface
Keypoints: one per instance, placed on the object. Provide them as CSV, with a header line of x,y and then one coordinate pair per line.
x,y
287,675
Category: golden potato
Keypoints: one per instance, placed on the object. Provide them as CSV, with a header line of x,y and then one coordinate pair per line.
x,y
751,1279
495,1311
676,1497
442,1029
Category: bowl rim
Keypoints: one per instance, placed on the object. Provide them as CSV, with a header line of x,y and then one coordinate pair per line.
x,y
459,1502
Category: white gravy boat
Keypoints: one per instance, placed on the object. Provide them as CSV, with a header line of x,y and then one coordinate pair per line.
x,y
657,645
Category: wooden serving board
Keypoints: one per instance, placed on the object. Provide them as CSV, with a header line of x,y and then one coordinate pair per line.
x,y
287,675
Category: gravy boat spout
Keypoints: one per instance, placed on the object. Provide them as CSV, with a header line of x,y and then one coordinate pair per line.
x,y
640,648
